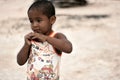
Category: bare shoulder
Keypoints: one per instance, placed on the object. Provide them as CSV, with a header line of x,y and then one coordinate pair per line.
x,y
60,36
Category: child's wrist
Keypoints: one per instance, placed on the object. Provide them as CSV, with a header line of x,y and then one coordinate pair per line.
x,y
27,44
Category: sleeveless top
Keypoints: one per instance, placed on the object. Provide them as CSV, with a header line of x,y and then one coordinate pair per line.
x,y
43,62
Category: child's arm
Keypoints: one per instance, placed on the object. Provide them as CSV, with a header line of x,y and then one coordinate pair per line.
x,y
60,42
24,52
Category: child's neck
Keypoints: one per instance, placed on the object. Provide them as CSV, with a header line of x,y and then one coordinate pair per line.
x,y
49,33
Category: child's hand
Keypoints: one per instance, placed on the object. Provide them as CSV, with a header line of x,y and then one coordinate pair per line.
x,y
28,38
39,37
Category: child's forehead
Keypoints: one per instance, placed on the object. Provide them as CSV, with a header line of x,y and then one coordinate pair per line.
x,y
33,13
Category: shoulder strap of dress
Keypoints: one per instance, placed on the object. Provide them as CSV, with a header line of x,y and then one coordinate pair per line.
x,y
52,34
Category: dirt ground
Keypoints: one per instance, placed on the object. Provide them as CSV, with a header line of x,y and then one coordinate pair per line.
x,y
94,31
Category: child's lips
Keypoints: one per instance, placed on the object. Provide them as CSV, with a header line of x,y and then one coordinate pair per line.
x,y
37,31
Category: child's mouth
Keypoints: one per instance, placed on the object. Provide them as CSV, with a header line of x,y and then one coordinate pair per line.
x,y
37,31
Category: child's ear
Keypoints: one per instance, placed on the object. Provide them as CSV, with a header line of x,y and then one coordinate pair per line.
x,y
52,19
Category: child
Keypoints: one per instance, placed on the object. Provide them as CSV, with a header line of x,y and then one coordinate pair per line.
x,y
43,47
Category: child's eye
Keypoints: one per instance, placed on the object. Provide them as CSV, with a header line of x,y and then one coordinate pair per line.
x,y
31,21
38,20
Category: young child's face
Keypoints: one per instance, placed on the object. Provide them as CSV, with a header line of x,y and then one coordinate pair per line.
x,y
40,23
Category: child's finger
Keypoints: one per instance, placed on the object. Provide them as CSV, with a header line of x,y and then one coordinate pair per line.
x,y
33,37
30,35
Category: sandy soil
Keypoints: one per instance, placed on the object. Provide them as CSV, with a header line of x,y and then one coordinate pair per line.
x,y
93,30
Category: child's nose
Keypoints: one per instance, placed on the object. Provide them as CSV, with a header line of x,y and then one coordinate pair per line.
x,y
35,24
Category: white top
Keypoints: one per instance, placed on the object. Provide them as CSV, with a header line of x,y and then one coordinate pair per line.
x,y
43,62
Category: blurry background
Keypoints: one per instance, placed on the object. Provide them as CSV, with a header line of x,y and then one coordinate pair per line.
x,y
93,29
